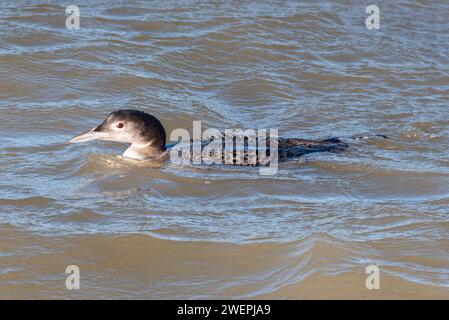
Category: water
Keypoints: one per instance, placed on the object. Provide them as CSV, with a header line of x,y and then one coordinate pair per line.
x,y
310,69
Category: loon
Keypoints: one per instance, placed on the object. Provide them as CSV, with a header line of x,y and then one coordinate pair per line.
x,y
147,137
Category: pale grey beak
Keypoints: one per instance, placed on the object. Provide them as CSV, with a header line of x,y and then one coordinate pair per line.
x,y
90,136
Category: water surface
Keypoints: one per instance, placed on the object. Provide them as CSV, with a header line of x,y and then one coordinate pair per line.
x,y
310,69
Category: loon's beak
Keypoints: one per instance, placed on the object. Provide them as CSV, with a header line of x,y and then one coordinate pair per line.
x,y
90,135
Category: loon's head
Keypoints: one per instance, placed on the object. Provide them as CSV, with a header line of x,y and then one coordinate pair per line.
x,y
143,131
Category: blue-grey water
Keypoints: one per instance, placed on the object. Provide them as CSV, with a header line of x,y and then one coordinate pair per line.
x,y
311,69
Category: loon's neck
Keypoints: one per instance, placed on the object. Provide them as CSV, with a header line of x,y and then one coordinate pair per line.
x,y
144,151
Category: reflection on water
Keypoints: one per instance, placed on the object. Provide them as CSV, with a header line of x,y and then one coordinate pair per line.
x,y
311,69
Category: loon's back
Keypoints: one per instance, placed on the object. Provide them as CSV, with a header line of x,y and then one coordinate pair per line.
x,y
287,148
294,147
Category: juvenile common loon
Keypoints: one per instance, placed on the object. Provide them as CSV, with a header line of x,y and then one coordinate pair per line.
x,y
147,137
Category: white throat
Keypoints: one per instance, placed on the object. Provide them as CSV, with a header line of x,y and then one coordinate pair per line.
x,y
136,151
142,151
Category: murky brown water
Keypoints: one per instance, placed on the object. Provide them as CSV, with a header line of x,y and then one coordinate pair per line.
x,y
310,69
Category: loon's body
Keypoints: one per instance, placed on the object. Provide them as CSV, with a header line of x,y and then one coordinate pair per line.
x,y
147,137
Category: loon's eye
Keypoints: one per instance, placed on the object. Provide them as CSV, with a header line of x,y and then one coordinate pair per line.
x,y
120,125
